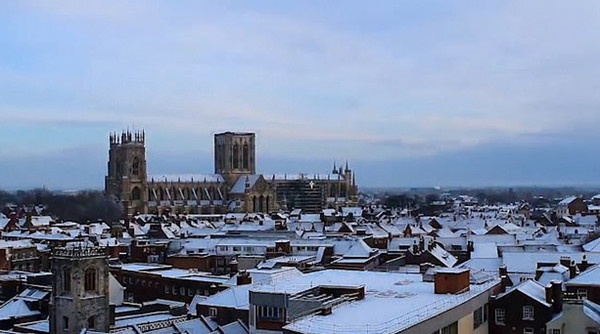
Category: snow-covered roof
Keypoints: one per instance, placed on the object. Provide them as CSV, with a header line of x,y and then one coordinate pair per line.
x,y
484,250
443,256
240,185
530,288
303,176
19,305
199,178
526,262
592,246
592,311
567,200
393,301
589,277
235,297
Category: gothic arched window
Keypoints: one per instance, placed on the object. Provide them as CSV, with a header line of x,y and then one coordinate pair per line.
x,y
135,166
91,322
245,157
90,279
66,322
261,203
66,279
119,168
136,194
236,156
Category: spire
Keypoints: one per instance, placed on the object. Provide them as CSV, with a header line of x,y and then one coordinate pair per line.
x,y
334,168
347,169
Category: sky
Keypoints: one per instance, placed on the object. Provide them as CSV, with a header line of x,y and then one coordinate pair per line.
x,y
412,93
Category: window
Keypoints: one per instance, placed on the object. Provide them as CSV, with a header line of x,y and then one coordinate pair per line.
x,y
270,312
245,156
477,317
182,291
135,166
450,329
527,312
90,279
527,330
91,322
500,316
212,312
236,156
485,312
66,283
581,294
136,194
554,331
591,331
167,289
65,322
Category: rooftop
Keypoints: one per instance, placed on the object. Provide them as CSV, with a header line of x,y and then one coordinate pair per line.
x,y
393,301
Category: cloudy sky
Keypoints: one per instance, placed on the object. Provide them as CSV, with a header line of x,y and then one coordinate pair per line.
x,y
412,93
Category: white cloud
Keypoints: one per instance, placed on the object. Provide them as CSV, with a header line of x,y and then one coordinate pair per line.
x,y
472,75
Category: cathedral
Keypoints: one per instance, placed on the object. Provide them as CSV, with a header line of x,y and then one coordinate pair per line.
x,y
234,187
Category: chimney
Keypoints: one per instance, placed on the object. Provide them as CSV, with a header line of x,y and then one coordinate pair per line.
x,y
415,248
470,246
584,264
243,278
421,244
504,283
283,246
502,270
548,289
451,280
557,299
430,246
233,267
572,269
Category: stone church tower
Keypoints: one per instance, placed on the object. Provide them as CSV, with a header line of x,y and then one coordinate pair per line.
x,y
235,155
79,290
127,178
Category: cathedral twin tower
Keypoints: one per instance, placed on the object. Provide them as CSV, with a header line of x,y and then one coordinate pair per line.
x,y
234,186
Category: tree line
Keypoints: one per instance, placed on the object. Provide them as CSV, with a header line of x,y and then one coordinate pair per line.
x,y
81,206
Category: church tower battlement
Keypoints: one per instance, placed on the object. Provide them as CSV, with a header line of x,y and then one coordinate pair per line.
x,y
127,176
80,290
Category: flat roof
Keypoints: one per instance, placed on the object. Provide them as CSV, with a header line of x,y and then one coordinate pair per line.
x,y
393,301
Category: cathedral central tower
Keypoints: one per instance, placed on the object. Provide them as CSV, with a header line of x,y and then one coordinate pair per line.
x,y
235,154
